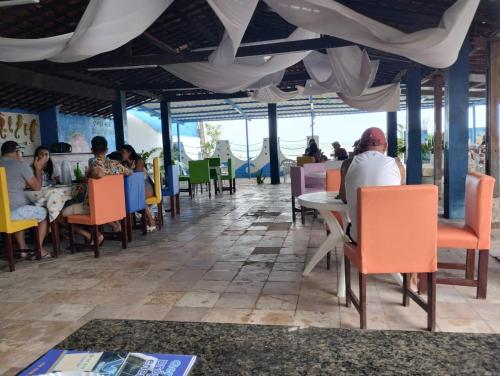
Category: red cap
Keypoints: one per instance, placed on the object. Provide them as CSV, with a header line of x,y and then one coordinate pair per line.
x,y
372,137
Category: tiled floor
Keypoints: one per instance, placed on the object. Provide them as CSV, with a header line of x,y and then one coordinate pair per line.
x,y
229,259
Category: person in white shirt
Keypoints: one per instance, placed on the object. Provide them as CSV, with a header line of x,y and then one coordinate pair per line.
x,y
371,167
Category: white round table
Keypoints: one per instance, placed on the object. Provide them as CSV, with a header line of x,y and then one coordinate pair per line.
x,y
326,203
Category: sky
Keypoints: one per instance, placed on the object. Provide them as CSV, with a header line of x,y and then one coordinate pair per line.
x,y
343,128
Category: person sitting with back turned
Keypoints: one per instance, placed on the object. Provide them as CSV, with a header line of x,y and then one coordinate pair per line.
x,y
371,167
19,176
314,151
343,170
100,160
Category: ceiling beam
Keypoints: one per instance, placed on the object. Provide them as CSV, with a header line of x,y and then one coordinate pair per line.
x,y
42,81
159,43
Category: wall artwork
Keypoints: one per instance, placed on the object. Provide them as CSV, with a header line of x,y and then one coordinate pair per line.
x,y
20,127
79,131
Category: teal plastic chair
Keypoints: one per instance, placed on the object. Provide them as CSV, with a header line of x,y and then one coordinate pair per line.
x,y
230,176
199,174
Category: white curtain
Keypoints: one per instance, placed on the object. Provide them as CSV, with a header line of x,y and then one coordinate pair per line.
x,y
252,72
378,98
272,94
436,47
104,26
343,69
235,15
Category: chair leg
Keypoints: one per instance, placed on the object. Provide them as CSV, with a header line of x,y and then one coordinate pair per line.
x,y
482,279
431,301
71,238
178,203
124,234
190,190
362,300
56,240
328,260
303,215
470,263
234,185
38,248
143,222
294,216
95,239
347,265
129,226
231,187
172,206
10,252
209,191
406,286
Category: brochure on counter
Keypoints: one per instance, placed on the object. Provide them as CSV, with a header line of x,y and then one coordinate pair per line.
x,y
75,363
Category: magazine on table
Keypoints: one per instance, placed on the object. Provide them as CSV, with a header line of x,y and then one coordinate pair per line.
x,y
87,363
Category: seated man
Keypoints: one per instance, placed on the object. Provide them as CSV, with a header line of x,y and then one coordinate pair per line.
x,y
371,167
19,176
100,160
339,152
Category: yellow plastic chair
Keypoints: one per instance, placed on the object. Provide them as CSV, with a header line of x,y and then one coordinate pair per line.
x,y
157,199
301,161
8,226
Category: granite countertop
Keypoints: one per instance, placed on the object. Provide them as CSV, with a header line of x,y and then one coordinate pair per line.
x,y
233,349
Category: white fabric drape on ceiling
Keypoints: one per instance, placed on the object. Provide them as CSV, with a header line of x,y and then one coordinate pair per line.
x,y
273,94
436,47
252,72
104,26
235,15
378,98
343,69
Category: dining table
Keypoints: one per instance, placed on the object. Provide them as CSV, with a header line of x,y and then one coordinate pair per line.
x,y
326,203
53,198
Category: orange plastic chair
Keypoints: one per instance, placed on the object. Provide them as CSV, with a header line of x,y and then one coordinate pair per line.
x,y
397,233
107,204
474,234
301,161
8,226
157,199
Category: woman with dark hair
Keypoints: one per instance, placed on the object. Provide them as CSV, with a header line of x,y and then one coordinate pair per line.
x,y
314,151
132,160
49,172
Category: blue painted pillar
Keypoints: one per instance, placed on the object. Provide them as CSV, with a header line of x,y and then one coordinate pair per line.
x,y
273,143
179,142
49,125
120,118
392,134
456,134
166,131
413,124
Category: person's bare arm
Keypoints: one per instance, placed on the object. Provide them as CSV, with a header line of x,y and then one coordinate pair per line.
x,y
35,182
402,171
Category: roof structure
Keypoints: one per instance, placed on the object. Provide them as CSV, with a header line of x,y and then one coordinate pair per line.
x,y
188,31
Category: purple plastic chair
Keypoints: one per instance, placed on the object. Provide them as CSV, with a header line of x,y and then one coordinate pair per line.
x,y
298,185
314,182
135,200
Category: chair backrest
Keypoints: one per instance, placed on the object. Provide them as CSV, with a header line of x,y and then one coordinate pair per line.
x,y
106,199
135,192
314,167
156,177
303,160
298,181
397,228
479,205
333,180
213,162
173,181
230,169
199,172
4,201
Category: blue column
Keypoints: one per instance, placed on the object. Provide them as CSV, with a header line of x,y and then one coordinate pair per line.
x,y
456,134
120,118
49,125
392,134
413,124
273,143
179,142
166,131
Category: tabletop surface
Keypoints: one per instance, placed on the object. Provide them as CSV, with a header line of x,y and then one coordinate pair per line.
x,y
242,349
322,200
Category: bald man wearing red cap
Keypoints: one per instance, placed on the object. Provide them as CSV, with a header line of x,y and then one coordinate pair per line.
x,y
371,167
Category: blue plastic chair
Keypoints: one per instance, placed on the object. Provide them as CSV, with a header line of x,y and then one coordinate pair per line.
x,y
135,200
172,190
